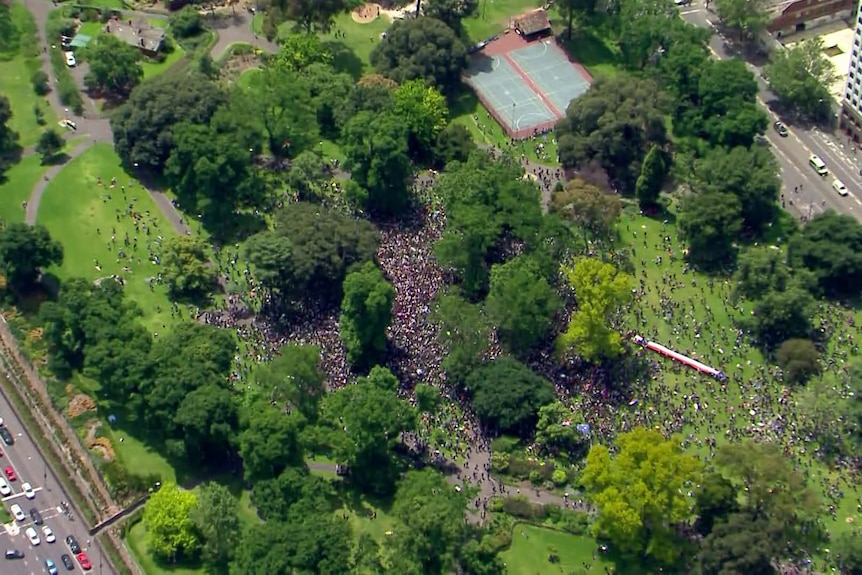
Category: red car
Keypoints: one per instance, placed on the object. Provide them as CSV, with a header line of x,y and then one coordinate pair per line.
x,y
10,473
84,561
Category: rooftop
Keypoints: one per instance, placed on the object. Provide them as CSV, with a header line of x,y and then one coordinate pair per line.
x,y
532,22
138,33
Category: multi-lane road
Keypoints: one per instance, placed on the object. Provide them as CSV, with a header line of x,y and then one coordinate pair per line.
x,y
803,191
29,467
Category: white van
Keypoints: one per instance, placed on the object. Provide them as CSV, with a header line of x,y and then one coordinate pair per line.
x,y
819,165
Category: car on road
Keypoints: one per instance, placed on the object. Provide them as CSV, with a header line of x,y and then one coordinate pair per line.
x,y
781,129
84,561
14,554
839,187
5,489
6,435
818,164
49,534
17,512
67,561
73,544
36,516
32,536
28,491
10,473
70,59
50,567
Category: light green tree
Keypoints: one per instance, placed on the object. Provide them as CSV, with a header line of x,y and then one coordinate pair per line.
x,y
801,76
366,311
640,492
747,17
424,110
171,533
601,291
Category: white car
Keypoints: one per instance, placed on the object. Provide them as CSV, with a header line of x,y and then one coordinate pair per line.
x,y
18,513
32,536
839,187
70,59
28,491
4,488
49,535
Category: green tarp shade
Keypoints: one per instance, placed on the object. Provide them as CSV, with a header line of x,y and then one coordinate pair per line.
x,y
80,40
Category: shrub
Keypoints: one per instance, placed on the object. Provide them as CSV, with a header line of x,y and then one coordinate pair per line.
x,y
574,522
186,23
505,444
499,462
559,477
519,506
39,79
535,478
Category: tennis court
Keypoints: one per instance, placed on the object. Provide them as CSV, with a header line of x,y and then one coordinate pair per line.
x,y
549,69
512,102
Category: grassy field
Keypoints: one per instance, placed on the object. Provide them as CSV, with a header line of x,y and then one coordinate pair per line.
x,y
19,59
494,16
154,68
84,216
352,52
531,547
675,302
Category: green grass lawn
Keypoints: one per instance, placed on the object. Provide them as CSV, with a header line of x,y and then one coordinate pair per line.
x,y
18,61
737,408
84,216
137,540
493,16
91,29
359,508
153,67
244,81
531,546
20,181
352,52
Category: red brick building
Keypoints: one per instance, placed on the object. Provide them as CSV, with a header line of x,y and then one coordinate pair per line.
x,y
789,16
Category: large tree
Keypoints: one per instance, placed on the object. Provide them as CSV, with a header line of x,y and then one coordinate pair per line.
x,y
366,311
376,152
830,246
187,269
269,442
464,331
113,67
521,304
316,15
9,147
751,174
616,122
484,199
431,528
739,545
641,493
759,271
309,251
424,110
507,395
216,518
24,250
585,205
801,76
293,379
363,423
710,223
143,128
171,533
649,183
49,145
748,17
601,291
450,12
781,315
422,48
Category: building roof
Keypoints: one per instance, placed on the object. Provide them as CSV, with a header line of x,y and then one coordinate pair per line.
x,y
533,22
140,34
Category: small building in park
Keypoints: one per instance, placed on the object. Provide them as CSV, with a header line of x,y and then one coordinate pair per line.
x,y
532,24
138,33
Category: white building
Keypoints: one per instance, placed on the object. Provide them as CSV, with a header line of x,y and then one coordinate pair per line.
x,y
851,107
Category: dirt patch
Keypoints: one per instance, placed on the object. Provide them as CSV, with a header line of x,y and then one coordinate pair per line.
x,y
366,13
237,65
101,445
81,404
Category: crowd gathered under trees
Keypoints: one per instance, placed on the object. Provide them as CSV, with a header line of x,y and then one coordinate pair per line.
x,y
362,300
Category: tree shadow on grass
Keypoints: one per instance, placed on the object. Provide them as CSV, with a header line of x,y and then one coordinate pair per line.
x,y
344,59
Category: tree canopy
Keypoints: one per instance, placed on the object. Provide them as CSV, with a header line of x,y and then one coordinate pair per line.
x,y
830,246
801,75
640,493
366,312
422,48
113,67
171,533
711,223
24,250
616,122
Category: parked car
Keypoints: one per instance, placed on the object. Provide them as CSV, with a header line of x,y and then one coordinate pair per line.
x,y
6,435
36,516
10,473
84,561
17,512
70,59
49,534
14,554
73,544
67,561
28,491
32,536
50,567
5,489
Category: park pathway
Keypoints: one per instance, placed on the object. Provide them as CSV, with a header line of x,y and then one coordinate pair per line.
x,y
32,209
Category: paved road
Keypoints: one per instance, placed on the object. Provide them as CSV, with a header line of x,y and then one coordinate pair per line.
x,y
29,466
816,194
